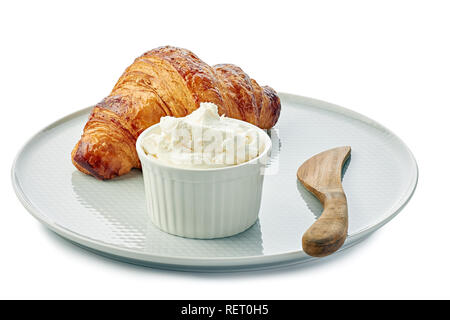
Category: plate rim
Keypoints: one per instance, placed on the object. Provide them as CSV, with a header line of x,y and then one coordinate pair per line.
x,y
218,262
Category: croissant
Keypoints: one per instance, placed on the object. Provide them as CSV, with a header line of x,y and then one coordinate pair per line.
x,y
165,81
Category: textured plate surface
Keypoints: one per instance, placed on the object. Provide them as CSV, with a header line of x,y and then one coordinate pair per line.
x,y
109,217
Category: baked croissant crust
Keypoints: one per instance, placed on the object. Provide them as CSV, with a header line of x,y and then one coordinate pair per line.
x,y
165,81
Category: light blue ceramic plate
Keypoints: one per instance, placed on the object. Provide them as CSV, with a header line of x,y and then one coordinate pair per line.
x,y
109,217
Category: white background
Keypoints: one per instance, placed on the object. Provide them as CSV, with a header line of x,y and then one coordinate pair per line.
x,y
389,60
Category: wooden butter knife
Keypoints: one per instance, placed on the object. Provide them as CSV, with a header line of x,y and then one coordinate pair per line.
x,y
321,175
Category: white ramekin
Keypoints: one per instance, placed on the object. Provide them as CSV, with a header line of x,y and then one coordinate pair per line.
x,y
203,203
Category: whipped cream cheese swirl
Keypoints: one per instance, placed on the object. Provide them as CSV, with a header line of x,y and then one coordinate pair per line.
x,y
204,139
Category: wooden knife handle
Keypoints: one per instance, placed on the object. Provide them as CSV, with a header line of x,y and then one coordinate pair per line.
x,y
328,233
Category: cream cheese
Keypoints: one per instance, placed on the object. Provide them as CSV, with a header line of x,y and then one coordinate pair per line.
x,y
204,139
